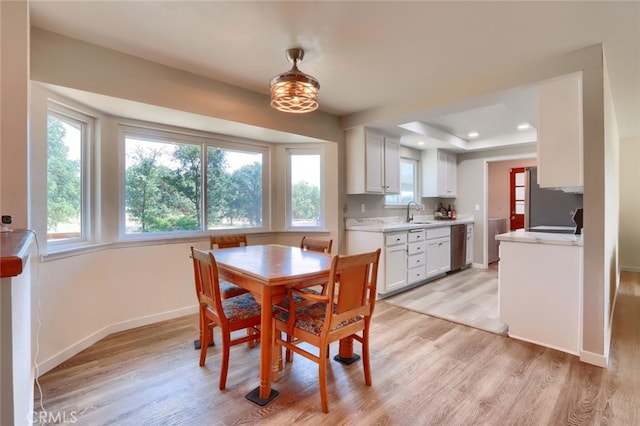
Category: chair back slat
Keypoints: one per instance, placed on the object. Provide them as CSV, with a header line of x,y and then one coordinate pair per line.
x,y
352,288
226,241
313,244
207,281
350,285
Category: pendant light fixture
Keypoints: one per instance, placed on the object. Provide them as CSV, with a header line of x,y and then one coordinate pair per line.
x,y
294,91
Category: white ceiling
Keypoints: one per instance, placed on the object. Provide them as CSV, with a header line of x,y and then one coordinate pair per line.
x,y
369,55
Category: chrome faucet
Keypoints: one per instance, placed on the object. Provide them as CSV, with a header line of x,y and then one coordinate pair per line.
x,y
410,218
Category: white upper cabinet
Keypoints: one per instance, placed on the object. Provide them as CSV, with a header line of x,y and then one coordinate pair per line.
x,y
560,145
439,173
373,163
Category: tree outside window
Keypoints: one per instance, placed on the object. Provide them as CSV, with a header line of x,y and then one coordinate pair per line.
x,y
305,189
64,177
164,186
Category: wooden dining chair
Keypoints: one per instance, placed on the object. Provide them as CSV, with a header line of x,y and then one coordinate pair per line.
x,y
344,311
323,246
226,241
313,244
236,313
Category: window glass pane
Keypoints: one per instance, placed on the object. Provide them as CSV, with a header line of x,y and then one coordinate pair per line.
x,y
407,181
519,193
162,186
64,178
234,189
408,187
305,190
519,207
519,179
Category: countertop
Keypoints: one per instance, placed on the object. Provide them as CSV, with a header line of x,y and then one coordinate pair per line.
x,y
522,236
393,224
14,250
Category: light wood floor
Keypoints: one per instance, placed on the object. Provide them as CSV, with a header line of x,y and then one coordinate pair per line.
x,y
426,371
468,297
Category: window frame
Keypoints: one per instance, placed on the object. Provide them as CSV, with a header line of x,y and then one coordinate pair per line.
x,y
290,152
163,134
87,124
388,202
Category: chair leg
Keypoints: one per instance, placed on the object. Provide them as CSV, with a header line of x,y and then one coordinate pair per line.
x,y
224,368
288,352
322,378
278,350
365,357
204,339
251,343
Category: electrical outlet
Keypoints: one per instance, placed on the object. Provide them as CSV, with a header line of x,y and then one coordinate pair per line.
x,y
6,221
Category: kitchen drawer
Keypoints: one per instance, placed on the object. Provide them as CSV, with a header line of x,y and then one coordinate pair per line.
x,y
445,231
414,248
416,236
416,260
395,239
416,274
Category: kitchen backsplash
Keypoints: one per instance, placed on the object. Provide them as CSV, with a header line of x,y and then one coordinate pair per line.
x,y
374,206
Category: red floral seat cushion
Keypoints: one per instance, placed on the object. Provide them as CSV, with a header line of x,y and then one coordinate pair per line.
x,y
311,318
240,307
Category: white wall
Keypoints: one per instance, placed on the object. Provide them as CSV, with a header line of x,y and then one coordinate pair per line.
x,y
629,246
83,298
16,374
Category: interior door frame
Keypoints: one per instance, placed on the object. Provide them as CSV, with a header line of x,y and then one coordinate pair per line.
x,y
485,201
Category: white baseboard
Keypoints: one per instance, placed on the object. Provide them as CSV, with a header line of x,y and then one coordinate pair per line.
x,y
89,340
537,342
598,360
630,268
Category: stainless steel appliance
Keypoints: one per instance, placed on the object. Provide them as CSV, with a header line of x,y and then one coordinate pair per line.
x,y
548,210
458,246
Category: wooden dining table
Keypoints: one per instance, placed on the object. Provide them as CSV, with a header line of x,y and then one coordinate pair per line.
x,y
267,271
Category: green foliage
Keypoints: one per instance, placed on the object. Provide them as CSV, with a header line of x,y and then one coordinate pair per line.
x,y
63,178
219,189
162,198
305,200
247,197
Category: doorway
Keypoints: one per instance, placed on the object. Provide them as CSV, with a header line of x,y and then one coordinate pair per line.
x,y
516,197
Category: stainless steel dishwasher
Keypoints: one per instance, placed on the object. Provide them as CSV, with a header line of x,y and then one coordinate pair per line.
x,y
458,246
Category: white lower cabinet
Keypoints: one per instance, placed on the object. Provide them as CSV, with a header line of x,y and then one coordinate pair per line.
x,y
438,251
416,256
395,259
408,257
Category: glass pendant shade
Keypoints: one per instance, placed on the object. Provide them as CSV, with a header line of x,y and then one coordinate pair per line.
x,y
294,91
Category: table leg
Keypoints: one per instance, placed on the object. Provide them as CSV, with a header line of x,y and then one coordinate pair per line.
x,y
264,394
345,353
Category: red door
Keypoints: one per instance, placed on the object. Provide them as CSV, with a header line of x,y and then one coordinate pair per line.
x,y
516,199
